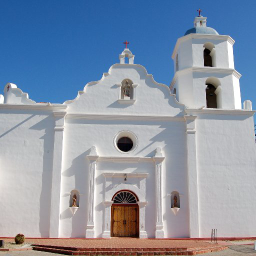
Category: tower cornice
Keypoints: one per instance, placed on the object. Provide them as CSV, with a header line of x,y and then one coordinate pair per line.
x,y
211,70
201,36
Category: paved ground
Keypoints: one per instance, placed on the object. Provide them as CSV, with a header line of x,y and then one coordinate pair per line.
x,y
234,250
119,243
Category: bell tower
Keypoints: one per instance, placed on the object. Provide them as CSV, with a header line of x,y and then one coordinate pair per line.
x,y
205,76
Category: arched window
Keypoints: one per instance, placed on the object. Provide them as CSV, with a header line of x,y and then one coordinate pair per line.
x,y
125,197
127,90
212,93
209,55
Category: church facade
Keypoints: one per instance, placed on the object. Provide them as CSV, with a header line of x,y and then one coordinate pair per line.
x,y
130,157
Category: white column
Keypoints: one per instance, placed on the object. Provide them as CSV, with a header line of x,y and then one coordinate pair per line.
x,y
56,174
159,233
107,219
143,232
193,194
90,231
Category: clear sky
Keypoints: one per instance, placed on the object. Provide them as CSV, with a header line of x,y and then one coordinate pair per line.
x,y
52,48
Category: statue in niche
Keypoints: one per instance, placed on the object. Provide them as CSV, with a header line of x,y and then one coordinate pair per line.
x,y
175,202
127,89
74,198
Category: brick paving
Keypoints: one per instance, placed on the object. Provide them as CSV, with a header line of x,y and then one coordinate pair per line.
x,y
123,246
120,243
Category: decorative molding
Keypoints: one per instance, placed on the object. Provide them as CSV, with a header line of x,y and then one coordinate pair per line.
x,y
217,111
211,70
128,159
178,117
142,204
121,175
59,128
59,113
123,101
201,36
107,203
37,106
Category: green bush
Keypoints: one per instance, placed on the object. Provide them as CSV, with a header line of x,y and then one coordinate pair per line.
x,y
19,239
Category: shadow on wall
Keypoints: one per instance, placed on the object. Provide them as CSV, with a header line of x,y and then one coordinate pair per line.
x,y
81,184
46,124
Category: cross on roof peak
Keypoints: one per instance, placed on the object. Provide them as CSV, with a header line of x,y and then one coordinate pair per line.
x,y
126,43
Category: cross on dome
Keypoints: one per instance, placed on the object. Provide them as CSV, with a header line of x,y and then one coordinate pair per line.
x,y
199,12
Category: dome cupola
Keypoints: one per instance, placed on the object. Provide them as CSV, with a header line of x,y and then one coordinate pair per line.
x,y
201,28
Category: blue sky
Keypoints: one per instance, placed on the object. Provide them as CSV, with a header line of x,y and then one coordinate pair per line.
x,y
52,48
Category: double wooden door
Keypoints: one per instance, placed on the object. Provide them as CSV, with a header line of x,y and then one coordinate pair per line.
x,y
125,221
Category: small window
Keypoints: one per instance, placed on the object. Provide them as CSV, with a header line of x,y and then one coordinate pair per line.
x,y
125,141
125,144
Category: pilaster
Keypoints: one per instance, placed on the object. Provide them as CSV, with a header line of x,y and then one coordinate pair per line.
x,y
159,233
56,173
107,219
143,232
90,229
193,194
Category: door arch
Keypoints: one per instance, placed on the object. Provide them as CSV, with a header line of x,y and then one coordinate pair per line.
x,y
125,214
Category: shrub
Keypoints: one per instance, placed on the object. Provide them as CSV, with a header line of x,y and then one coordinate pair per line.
x,y
19,239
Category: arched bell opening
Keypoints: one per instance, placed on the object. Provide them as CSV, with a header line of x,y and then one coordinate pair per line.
x,y
125,214
127,90
212,91
209,55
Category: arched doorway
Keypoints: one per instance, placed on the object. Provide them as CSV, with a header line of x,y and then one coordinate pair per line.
x,y
125,215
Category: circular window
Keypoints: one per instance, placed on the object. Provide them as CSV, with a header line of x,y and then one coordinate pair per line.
x,y
125,141
125,144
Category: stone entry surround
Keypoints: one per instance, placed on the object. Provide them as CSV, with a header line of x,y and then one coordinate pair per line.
x,y
139,190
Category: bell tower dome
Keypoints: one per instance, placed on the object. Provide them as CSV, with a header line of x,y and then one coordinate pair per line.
x,y
204,69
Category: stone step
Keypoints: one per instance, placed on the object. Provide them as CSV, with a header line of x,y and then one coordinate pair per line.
x,y
134,251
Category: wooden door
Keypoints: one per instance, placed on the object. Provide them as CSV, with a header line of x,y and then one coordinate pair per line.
x,y
125,221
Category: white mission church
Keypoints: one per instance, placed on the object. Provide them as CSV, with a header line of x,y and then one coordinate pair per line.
x,y
132,157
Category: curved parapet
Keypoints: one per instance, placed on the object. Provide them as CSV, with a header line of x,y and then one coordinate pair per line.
x,y
147,96
14,95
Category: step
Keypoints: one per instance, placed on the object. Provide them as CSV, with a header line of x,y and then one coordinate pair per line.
x,y
135,251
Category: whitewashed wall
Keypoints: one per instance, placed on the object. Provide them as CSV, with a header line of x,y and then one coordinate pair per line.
x,y
227,174
26,139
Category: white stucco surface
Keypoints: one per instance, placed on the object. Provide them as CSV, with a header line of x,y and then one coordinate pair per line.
x,y
204,156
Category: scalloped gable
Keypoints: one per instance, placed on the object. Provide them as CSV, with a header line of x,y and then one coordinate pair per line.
x,y
103,96
14,95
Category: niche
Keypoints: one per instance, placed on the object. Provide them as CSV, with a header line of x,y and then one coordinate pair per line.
x,y
74,201
175,199
175,202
